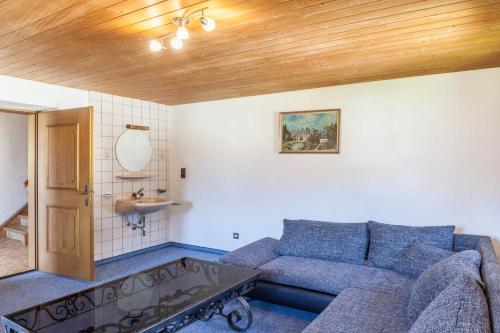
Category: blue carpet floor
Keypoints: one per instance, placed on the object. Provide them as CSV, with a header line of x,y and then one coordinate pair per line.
x,y
32,288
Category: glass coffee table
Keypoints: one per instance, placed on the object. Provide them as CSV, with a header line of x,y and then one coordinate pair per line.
x,y
163,299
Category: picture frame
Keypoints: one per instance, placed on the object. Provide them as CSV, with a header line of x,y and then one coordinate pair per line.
x,y
310,132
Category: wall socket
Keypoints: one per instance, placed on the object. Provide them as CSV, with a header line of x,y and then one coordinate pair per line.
x,y
236,235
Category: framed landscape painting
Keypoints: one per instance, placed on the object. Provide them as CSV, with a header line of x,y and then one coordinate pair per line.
x,y
310,131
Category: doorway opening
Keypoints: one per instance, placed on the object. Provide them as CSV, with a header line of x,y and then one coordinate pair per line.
x,y
17,250
46,211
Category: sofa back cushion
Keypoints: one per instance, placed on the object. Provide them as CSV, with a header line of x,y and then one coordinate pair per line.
x,y
460,307
388,242
417,257
346,242
436,278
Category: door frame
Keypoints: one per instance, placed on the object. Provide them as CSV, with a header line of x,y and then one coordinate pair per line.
x,y
33,194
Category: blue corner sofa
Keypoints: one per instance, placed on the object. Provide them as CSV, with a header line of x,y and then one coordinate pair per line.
x,y
375,277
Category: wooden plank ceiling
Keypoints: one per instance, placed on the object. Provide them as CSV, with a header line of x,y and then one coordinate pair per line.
x,y
258,47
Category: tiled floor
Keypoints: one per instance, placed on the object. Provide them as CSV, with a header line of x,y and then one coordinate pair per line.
x,y
13,257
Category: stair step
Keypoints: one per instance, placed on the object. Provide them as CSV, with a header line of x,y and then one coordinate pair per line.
x,y
17,232
23,219
20,229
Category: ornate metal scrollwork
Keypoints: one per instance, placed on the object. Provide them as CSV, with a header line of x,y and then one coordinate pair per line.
x,y
207,311
234,317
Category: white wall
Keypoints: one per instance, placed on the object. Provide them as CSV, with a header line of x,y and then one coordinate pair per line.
x,y
414,151
13,163
27,94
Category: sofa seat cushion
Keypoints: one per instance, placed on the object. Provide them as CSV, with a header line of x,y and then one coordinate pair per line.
x,y
333,277
362,311
346,242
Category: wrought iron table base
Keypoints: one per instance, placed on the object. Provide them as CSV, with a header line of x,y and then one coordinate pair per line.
x,y
235,316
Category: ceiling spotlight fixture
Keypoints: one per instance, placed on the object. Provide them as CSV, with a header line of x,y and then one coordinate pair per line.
x,y
207,23
156,45
182,32
176,43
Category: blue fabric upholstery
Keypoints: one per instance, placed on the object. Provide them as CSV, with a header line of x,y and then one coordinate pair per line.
x,y
417,257
437,277
252,255
462,242
333,277
346,242
483,244
382,286
362,311
461,307
388,242
485,247
490,271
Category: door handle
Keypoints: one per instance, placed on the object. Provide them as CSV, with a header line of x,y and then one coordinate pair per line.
x,y
87,191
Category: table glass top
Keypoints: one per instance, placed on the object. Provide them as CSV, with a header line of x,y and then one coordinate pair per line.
x,y
136,302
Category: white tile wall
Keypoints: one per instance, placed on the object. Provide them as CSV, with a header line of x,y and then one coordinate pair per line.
x,y
111,114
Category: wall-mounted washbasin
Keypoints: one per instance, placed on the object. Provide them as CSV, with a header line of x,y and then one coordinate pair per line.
x,y
141,206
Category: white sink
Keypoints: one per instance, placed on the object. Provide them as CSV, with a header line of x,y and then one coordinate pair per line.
x,y
141,206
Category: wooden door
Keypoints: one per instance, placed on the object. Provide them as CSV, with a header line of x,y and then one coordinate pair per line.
x,y
65,207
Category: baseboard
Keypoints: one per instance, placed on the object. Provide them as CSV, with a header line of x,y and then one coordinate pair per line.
x,y
156,248
131,254
199,248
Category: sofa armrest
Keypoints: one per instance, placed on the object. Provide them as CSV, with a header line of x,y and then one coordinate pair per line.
x,y
253,255
490,273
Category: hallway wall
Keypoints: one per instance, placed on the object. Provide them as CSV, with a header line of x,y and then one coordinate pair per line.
x,y
13,163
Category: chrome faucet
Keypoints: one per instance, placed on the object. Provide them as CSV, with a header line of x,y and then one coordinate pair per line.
x,y
139,194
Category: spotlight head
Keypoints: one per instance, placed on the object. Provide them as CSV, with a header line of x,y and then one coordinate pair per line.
x,y
182,32
176,43
155,45
207,23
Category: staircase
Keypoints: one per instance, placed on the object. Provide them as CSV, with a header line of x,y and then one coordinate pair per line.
x,y
17,228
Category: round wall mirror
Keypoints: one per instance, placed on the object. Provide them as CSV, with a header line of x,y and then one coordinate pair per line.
x,y
133,150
